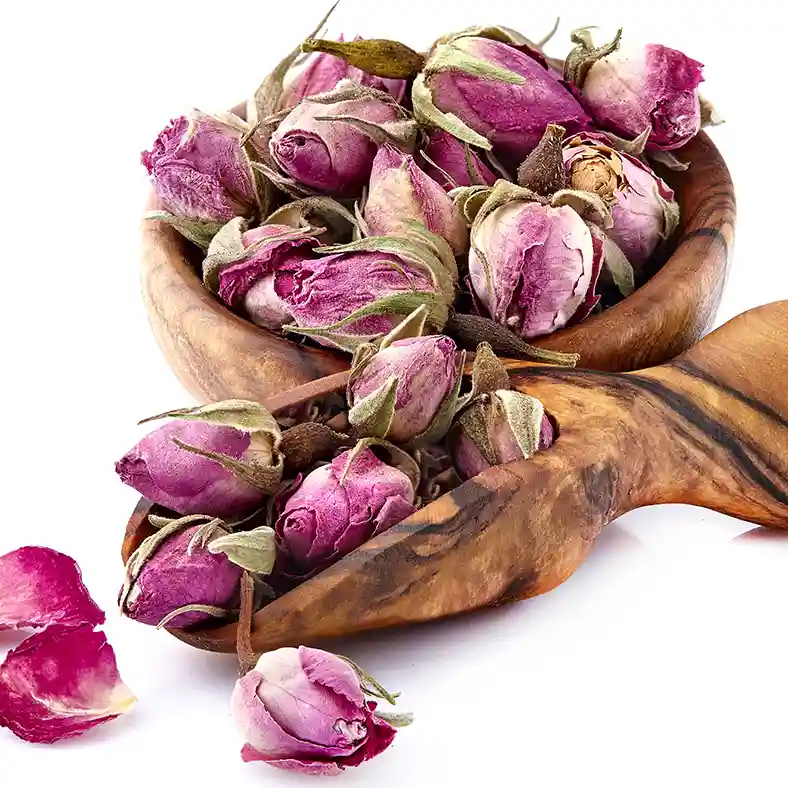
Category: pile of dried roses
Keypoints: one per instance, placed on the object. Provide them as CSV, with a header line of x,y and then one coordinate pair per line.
x,y
368,179
371,198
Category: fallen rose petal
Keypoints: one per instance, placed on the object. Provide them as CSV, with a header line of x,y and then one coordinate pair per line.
x,y
40,586
59,684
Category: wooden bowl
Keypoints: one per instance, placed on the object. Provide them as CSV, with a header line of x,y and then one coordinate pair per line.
x,y
217,354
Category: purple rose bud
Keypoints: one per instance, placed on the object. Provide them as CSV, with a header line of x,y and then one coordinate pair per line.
x,y
642,204
304,710
220,459
500,427
537,266
345,298
653,87
420,373
181,572
245,280
320,72
488,93
337,508
453,163
319,148
399,190
199,170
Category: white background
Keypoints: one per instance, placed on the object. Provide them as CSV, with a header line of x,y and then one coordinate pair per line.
x,y
661,662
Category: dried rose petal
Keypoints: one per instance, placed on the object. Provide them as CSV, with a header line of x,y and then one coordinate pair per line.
x,y
61,683
39,586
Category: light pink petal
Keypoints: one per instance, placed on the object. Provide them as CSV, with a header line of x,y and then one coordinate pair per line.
x,y
315,768
324,668
39,586
61,683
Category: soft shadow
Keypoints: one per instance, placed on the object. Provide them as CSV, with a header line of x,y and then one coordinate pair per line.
x,y
762,536
11,638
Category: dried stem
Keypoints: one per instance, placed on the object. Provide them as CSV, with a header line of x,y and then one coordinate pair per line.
x,y
247,657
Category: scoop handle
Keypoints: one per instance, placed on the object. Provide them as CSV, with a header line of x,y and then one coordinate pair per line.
x,y
726,404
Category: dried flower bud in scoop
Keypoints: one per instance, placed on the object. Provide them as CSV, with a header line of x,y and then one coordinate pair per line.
x,y
453,163
533,266
356,293
60,683
399,190
39,587
304,710
220,459
319,72
493,95
328,142
651,88
496,428
199,169
183,574
408,387
642,205
338,507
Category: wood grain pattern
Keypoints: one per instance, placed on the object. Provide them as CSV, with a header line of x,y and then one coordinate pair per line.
x,y
709,428
216,354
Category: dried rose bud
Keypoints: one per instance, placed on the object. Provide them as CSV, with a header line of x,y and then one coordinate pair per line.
x,y
40,587
453,163
496,428
405,390
400,191
642,204
355,293
304,710
651,88
533,267
60,683
320,72
240,267
174,578
327,142
220,459
338,507
514,96
199,169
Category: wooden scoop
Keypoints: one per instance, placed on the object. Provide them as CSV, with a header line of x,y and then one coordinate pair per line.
x,y
709,428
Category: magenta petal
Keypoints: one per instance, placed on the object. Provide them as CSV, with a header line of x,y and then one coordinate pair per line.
x,y
61,683
39,586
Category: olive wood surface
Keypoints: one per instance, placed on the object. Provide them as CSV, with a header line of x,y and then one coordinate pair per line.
x,y
709,428
217,354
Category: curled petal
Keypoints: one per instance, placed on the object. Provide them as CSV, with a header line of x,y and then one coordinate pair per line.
x,y
39,587
60,683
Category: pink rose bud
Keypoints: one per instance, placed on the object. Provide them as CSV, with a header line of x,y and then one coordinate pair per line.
x,y
453,163
304,710
491,94
200,171
399,190
643,207
359,292
175,570
326,142
320,72
534,267
240,268
61,683
649,88
211,460
337,508
418,376
496,428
